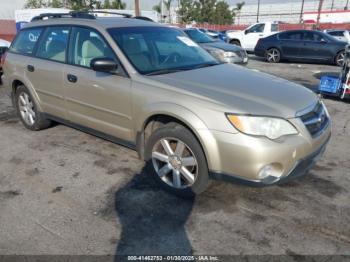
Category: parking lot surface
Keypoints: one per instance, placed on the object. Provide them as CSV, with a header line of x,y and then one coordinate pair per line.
x,y
66,192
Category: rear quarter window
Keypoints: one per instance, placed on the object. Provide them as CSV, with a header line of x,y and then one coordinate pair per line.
x,y
25,41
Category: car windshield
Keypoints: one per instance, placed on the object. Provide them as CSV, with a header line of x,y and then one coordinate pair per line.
x,y
160,50
198,36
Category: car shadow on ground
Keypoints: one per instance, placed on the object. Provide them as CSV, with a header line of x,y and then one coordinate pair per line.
x,y
152,220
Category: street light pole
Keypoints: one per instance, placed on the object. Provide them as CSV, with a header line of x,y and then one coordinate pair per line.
x,y
319,13
301,11
137,7
347,5
257,14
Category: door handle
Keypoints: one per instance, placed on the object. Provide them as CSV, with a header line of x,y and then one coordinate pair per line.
x,y
30,68
72,78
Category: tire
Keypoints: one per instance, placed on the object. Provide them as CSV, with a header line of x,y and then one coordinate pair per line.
x,y
273,55
28,112
184,174
339,58
235,42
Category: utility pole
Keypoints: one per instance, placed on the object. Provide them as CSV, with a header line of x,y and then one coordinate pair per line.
x,y
332,6
257,14
137,7
319,13
347,5
301,11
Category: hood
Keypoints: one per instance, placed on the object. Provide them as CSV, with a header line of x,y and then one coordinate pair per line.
x,y
241,90
223,46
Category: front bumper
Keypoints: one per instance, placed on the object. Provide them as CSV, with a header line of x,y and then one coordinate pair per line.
x,y
242,157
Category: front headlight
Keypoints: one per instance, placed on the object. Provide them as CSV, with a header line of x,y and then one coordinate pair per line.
x,y
269,127
222,55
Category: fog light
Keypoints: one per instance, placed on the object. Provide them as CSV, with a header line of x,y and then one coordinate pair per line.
x,y
266,171
271,170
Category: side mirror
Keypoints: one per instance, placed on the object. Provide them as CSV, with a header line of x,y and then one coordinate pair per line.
x,y
323,41
246,32
105,64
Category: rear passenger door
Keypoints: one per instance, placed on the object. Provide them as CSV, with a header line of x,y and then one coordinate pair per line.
x,y
290,43
97,100
45,69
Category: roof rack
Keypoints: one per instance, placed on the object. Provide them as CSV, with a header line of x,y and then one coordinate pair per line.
x,y
89,14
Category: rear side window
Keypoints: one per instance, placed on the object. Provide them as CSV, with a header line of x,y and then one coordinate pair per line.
x,y
53,45
26,40
290,36
274,28
336,33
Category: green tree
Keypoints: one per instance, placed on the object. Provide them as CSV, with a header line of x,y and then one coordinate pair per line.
x,y
118,4
237,10
187,11
35,4
107,4
206,11
222,15
167,4
55,4
157,8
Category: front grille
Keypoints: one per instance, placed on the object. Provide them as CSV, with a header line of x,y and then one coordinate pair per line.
x,y
316,120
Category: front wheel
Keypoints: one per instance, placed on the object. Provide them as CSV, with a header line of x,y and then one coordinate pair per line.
x,y
339,59
273,55
176,160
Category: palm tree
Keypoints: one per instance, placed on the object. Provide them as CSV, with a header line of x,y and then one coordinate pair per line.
x,y
167,4
238,9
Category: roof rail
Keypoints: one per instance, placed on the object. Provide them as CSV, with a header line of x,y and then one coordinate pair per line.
x,y
85,14
105,12
72,14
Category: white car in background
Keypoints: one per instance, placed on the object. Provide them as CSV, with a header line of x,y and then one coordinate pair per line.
x,y
249,37
338,34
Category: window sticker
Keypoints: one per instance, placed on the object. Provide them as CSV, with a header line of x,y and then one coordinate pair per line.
x,y
187,41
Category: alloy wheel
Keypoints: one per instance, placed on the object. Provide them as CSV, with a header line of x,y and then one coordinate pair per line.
x,y
175,163
26,108
273,55
340,59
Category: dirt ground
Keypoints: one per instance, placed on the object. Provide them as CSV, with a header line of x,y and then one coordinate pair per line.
x,y
65,192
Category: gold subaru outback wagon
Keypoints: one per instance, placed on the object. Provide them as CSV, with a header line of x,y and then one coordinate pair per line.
x,y
149,87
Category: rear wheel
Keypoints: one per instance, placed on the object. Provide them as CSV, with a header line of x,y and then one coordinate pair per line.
x,y
340,58
273,55
235,42
176,160
28,112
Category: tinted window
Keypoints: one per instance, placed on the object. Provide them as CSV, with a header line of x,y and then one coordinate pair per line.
x,y
259,28
26,40
290,36
87,44
274,27
167,49
336,33
311,36
53,45
198,36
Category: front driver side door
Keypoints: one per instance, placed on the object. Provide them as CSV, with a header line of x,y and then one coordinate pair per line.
x,y
252,36
97,100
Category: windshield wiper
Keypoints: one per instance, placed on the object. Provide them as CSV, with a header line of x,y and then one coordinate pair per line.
x,y
205,65
166,71
174,70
